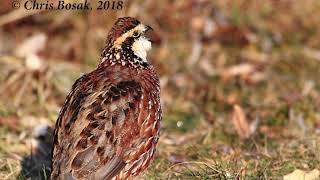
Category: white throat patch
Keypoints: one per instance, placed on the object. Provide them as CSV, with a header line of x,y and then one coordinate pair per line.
x,y
140,48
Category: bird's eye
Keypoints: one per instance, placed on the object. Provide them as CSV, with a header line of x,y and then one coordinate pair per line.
x,y
136,34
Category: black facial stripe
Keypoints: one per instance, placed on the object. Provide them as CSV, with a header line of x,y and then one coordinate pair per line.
x,y
128,42
124,55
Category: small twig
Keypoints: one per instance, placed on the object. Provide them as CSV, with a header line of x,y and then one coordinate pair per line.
x,y
196,52
12,79
16,15
23,88
194,162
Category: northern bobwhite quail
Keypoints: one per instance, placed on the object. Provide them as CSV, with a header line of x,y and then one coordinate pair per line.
x,y
108,127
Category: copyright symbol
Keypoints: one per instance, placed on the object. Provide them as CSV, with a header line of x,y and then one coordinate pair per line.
x,y
15,4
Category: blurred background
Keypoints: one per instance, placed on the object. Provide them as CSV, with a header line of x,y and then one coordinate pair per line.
x,y
240,84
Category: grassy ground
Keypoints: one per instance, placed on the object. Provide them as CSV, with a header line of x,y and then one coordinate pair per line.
x,y
264,57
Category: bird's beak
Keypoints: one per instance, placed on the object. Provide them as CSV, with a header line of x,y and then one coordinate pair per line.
x,y
152,35
148,33
148,28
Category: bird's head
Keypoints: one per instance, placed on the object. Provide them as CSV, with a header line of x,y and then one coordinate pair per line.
x,y
128,39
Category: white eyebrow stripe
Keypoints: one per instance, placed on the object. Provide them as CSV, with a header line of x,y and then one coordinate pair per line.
x,y
123,37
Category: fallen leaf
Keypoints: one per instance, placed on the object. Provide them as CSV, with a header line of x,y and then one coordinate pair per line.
x,y
175,159
228,34
31,45
241,69
255,77
245,71
207,67
29,49
271,132
302,175
181,80
33,62
255,56
197,23
312,53
240,122
12,123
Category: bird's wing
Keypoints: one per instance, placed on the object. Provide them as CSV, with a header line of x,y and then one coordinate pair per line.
x,y
95,126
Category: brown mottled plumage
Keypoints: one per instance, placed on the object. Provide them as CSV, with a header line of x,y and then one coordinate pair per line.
x,y
108,127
